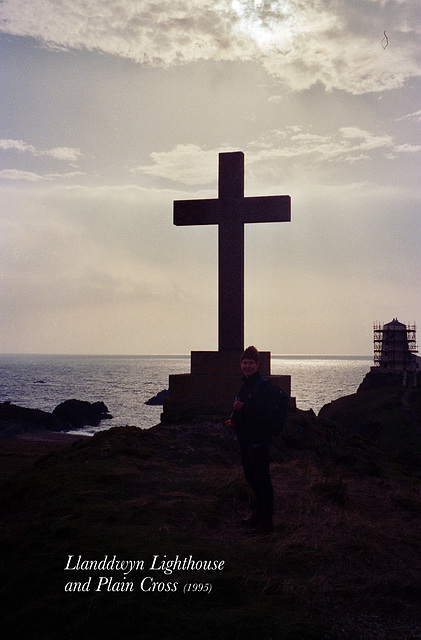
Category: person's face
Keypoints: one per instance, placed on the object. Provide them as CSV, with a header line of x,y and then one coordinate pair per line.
x,y
248,367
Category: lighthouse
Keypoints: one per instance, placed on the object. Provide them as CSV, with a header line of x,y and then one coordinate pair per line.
x,y
395,348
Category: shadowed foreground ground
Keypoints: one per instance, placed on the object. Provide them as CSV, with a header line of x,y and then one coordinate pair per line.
x,y
344,561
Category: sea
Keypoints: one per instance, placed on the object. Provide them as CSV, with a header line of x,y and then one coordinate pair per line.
x,y
125,383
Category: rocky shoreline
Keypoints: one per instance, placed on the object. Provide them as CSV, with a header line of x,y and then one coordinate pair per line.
x,y
383,415
67,416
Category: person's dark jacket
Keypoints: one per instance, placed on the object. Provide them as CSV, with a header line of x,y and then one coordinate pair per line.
x,y
253,420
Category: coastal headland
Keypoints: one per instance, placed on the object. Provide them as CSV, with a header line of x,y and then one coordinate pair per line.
x,y
341,564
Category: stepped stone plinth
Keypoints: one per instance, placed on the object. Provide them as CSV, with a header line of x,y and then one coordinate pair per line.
x,y
211,386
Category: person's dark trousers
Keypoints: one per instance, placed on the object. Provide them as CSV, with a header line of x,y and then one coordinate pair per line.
x,y
256,460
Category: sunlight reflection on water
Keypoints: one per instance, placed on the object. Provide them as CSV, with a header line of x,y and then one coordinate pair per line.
x,y
317,381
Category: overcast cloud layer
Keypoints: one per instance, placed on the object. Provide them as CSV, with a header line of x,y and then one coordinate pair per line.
x,y
299,43
113,109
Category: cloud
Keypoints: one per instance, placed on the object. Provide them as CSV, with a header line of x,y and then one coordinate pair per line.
x,y
189,164
63,153
68,154
17,174
30,176
407,148
299,43
345,143
18,145
170,32
342,60
414,117
66,176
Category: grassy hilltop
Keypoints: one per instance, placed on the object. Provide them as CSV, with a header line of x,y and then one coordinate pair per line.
x,y
342,562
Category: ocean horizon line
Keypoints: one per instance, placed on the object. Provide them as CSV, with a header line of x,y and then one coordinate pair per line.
x,y
291,356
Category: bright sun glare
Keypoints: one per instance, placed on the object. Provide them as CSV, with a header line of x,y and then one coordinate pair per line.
x,y
267,24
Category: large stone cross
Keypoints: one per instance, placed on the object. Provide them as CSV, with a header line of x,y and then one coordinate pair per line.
x,y
230,211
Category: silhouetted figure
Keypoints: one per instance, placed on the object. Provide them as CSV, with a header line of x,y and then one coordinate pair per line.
x,y
254,418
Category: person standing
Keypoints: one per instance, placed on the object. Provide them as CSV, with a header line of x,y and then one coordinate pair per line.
x,y
252,412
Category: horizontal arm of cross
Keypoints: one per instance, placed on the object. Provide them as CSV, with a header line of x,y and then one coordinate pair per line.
x,y
267,209
216,211
189,212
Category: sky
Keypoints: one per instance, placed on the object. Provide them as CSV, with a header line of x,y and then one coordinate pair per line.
x,y
113,109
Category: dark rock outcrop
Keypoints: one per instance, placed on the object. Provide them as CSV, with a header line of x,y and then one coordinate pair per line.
x,y
14,419
79,413
71,414
159,398
378,379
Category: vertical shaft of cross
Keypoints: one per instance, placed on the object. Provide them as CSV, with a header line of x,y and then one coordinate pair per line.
x,y
231,254
230,211
231,287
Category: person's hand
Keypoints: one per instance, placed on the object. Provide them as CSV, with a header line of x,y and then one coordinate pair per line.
x,y
238,405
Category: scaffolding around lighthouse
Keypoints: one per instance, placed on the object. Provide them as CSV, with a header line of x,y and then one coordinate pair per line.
x,y
395,347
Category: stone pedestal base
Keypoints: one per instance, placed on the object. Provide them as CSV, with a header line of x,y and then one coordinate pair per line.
x,y
212,385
